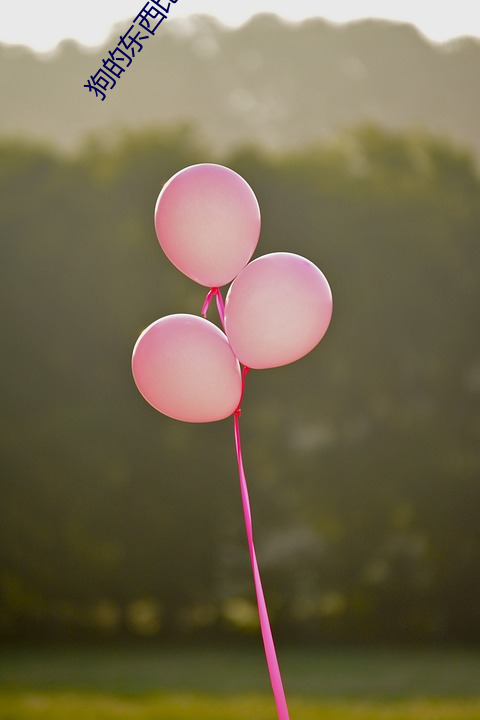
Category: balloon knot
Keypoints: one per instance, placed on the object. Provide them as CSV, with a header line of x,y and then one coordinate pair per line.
x,y
238,412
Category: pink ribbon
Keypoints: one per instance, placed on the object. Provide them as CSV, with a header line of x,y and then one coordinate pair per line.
x,y
220,306
272,662
268,644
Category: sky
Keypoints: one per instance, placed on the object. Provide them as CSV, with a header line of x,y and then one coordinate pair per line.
x,y
42,24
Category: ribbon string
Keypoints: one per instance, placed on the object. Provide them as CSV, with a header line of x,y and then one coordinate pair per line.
x,y
268,643
270,653
220,306
208,300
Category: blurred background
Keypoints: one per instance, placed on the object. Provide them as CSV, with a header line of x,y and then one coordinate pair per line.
x,y
361,141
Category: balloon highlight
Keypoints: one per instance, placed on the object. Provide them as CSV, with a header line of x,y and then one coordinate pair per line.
x,y
277,310
184,367
207,221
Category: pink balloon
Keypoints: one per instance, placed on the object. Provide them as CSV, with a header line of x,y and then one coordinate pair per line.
x,y
184,367
277,309
207,221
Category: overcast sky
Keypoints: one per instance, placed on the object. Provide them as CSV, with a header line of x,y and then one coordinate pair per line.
x,y
41,24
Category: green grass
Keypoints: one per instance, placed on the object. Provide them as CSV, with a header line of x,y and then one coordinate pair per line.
x,y
232,684
75,706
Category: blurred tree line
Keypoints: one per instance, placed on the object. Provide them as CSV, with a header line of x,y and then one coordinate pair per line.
x,y
363,458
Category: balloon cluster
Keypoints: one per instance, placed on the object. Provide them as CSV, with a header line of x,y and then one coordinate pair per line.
x,y
277,308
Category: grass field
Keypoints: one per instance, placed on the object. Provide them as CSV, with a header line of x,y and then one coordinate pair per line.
x,y
232,684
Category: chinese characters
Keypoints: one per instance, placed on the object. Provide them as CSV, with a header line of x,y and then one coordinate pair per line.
x,y
147,21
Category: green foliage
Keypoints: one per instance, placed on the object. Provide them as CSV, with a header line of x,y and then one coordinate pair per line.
x,y
362,458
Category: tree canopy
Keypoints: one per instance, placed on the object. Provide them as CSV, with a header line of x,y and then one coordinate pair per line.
x,y
362,458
